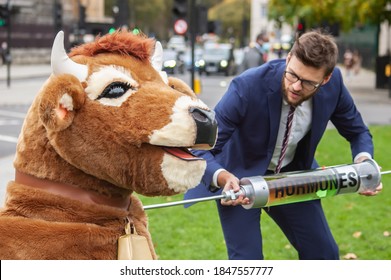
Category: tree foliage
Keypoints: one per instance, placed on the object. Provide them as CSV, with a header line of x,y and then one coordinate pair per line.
x,y
150,16
348,13
231,14
156,15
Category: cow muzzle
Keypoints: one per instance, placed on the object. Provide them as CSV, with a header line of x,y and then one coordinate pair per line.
x,y
206,128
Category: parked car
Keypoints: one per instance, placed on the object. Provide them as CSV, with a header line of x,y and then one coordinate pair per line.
x,y
218,58
172,62
198,52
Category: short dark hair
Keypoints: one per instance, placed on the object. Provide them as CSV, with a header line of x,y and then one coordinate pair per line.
x,y
316,49
262,37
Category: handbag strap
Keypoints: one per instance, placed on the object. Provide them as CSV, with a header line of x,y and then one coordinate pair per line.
x,y
129,227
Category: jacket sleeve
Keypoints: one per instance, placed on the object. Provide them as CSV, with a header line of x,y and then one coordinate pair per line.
x,y
230,110
349,122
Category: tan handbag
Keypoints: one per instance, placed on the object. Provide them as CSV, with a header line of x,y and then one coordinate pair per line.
x,y
132,246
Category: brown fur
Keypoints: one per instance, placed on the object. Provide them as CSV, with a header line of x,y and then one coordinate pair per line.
x,y
120,43
62,234
94,147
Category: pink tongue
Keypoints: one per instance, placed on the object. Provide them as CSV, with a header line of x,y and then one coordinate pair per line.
x,y
181,153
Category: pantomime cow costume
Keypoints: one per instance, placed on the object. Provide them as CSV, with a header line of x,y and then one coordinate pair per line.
x,y
105,124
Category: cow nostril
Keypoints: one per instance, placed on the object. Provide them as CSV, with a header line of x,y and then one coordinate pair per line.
x,y
200,115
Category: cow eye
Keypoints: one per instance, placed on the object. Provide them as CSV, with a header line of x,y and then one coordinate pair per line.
x,y
115,90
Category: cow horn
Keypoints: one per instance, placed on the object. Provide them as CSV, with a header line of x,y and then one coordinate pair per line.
x,y
62,64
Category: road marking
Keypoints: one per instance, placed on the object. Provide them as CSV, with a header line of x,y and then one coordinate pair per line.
x,y
12,114
10,139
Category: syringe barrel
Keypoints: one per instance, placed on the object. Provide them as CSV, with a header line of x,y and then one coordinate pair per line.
x,y
290,187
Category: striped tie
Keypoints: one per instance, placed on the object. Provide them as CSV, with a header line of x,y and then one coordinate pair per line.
x,y
286,138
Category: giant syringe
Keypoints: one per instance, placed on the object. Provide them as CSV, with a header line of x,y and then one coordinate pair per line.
x,y
291,187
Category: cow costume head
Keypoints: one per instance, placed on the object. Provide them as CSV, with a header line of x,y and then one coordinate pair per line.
x,y
108,122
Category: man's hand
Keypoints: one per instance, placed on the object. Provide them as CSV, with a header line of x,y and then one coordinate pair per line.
x,y
230,182
375,192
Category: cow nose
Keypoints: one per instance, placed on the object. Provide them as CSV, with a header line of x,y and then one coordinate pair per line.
x,y
206,127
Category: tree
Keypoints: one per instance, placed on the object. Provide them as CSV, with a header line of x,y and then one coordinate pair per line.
x,y
231,14
347,13
149,16
154,17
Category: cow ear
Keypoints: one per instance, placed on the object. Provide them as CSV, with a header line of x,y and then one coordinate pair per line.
x,y
157,61
157,57
62,96
181,86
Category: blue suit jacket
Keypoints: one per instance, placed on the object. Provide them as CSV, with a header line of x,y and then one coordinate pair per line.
x,y
248,117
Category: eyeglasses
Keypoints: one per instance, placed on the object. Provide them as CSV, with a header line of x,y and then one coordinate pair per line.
x,y
307,85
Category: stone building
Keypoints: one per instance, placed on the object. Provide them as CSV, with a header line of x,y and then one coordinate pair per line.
x,y
34,24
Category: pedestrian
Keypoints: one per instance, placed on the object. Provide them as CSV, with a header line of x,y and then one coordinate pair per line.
x,y
356,62
255,55
252,118
348,61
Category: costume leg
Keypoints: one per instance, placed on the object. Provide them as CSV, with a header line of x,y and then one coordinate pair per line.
x,y
242,232
305,225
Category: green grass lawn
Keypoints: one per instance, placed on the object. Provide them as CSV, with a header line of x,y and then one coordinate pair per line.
x,y
360,225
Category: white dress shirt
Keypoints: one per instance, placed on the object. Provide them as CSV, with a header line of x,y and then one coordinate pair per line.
x,y
300,126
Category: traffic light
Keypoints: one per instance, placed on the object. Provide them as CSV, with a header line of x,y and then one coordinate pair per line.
x,y
179,8
121,13
57,15
300,27
112,30
4,15
201,19
136,31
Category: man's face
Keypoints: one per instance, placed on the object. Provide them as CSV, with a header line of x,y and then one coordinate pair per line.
x,y
301,82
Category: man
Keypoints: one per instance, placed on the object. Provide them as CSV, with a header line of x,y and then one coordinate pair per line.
x,y
256,55
252,119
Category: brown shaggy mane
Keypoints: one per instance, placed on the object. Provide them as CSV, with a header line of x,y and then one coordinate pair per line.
x,y
120,42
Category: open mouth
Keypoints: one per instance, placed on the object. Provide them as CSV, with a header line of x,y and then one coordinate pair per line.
x,y
181,153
